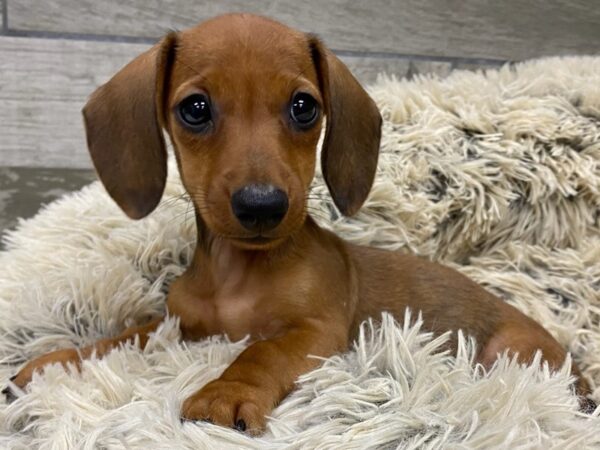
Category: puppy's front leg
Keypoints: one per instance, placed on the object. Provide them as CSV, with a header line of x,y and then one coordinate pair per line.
x,y
262,376
74,356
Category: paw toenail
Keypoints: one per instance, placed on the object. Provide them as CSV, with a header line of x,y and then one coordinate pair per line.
x,y
240,425
588,405
10,397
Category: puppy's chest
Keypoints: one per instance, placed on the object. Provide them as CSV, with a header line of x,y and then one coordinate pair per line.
x,y
233,313
237,310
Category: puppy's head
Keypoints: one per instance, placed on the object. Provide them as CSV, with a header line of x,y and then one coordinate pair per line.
x,y
243,99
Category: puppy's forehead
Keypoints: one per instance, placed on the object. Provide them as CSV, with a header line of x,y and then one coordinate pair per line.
x,y
242,43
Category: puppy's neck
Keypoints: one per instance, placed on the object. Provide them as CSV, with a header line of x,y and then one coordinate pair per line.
x,y
224,262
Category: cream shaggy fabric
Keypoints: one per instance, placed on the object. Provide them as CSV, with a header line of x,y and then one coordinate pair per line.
x,y
495,173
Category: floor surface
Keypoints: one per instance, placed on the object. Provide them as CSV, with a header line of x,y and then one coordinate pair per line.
x,y
24,190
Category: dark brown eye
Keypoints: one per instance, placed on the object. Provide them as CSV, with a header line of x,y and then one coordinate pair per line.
x,y
194,111
304,110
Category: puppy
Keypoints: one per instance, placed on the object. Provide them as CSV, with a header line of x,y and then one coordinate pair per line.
x,y
243,100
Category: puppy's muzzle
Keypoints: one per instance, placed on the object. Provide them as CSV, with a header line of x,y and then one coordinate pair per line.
x,y
259,207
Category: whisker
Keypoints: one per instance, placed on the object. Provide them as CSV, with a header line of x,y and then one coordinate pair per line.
x,y
187,208
172,201
176,218
319,214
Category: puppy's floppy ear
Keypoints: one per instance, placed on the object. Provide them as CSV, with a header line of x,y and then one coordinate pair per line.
x,y
123,122
351,145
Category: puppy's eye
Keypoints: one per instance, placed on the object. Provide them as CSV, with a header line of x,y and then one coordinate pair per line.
x,y
194,111
304,110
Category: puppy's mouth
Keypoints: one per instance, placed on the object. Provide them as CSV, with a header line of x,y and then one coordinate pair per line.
x,y
258,242
267,239
262,238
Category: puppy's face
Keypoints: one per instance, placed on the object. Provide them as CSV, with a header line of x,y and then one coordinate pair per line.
x,y
245,121
243,99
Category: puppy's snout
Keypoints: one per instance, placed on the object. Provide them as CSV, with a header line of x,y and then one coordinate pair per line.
x,y
259,207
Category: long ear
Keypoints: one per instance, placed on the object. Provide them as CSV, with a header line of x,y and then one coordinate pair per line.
x,y
351,145
123,125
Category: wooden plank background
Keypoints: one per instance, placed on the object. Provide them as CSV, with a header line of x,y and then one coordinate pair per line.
x,y
4,18
506,29
53,53
44,85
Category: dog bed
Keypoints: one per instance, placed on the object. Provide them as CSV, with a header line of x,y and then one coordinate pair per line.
x,y
495,173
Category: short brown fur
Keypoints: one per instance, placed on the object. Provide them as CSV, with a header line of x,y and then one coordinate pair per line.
x,y
297,290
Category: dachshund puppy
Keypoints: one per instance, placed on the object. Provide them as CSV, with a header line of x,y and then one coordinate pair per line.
x,y
243,100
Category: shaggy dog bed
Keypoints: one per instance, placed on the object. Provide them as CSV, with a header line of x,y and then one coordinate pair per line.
x,y
496,174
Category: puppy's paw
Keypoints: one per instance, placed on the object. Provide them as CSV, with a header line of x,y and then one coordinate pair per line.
x,y
8,393
231,404
23,378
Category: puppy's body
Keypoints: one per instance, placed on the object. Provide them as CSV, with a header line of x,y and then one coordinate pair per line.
x,y
244,292
243,100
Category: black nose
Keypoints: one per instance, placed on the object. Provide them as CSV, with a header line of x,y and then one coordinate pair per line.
x,y
259,207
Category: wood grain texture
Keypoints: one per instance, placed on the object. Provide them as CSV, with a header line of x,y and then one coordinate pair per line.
x,y
45,82
43,87
509,29
3,17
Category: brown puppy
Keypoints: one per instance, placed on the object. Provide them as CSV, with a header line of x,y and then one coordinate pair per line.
x,y
243,100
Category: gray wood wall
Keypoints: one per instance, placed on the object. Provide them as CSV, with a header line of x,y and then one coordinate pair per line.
x,y
53,53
